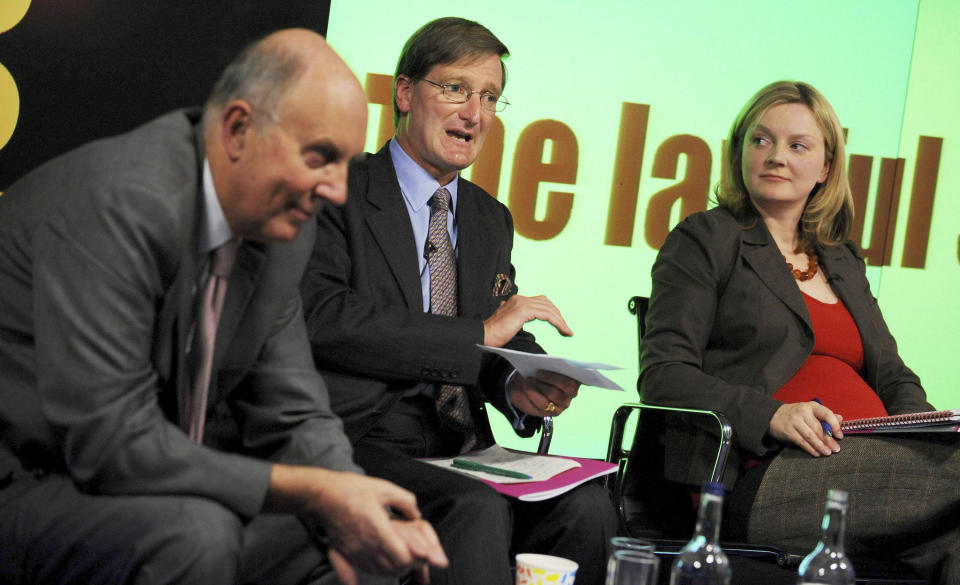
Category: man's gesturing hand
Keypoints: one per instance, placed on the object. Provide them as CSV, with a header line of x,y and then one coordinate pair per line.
x,y
510,316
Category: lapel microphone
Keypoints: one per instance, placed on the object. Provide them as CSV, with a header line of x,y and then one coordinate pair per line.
x,y
428,249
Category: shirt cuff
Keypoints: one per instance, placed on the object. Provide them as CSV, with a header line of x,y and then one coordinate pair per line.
x,y
516,419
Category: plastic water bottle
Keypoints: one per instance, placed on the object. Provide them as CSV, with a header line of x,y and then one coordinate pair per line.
x,y
827,563
702,562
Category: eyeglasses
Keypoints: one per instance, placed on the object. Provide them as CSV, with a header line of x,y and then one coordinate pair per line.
x,y
457,93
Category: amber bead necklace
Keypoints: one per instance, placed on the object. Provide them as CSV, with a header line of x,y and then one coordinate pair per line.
x,y
807,274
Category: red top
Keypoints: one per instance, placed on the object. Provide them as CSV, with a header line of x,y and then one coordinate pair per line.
x,y
832,372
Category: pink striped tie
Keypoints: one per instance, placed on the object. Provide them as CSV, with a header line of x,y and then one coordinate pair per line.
x,y
213,295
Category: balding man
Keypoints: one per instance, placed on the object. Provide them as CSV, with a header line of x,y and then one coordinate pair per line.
x,y
154,428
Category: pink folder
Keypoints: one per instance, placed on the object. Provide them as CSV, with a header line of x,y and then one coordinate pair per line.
x,y
533,491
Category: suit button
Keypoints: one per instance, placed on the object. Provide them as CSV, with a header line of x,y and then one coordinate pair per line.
x,y
424,371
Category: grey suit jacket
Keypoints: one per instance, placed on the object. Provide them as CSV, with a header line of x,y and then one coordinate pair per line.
x,y
727,327
98,268
364,308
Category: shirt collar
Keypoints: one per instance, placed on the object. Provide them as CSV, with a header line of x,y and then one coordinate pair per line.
x,y
215,231
416,184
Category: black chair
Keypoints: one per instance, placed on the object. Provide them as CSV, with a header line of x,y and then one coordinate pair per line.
x,y
651,507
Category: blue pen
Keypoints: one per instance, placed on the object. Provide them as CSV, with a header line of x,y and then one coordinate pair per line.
x,y
826,426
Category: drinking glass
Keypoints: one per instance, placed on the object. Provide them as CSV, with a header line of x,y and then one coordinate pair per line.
x,y
630,543
631,567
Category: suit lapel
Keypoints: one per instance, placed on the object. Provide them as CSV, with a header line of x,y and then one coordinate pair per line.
x,y
842,272
171,342
177,312
476,261
767,262
240,288
389,223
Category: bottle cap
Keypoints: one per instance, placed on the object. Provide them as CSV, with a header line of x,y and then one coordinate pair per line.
x,y
713,488
838,496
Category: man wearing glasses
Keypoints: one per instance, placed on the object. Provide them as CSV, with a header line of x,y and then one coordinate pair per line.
x,y
405,280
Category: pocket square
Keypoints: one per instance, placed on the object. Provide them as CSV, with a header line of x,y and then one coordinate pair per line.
x,y
502,286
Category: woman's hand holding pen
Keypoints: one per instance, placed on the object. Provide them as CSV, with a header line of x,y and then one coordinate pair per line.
x,y
800,423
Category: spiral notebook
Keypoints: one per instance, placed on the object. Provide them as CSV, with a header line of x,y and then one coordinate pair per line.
x,y
944,421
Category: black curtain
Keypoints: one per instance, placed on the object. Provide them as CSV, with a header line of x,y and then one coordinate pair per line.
x,y
86,69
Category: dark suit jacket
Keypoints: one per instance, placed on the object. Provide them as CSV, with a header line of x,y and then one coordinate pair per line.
x,y
364,308
98,266
727,327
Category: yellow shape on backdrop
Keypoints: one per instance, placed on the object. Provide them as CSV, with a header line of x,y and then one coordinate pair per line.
x,y
9,105
11,12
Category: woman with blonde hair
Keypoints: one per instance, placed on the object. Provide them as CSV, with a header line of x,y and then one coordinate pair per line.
x,y
760,309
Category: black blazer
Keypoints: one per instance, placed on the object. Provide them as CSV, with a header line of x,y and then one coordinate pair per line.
x,y
727,327
362,299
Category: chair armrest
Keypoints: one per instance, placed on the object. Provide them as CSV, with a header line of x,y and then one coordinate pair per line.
x,y
616,453
546,435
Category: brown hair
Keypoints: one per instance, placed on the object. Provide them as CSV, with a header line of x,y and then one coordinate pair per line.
x,y
444,41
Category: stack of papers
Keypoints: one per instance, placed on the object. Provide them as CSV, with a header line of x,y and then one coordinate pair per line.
x,y
528,476
551,475
538,467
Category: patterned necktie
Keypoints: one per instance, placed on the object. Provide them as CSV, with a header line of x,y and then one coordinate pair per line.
x,y
453,407
210,309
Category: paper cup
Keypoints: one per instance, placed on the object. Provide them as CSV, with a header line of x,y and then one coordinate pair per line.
x,y
544,570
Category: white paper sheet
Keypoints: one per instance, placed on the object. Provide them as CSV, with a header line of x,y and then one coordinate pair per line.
x,y
584,372
538,467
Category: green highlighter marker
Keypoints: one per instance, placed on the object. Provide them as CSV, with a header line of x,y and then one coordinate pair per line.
x,y
473,466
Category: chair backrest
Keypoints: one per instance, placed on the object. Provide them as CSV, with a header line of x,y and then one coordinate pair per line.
x,y
638,306
715,423
650,505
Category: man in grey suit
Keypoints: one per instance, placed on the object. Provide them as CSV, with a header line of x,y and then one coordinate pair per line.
x,y
101,252
390,354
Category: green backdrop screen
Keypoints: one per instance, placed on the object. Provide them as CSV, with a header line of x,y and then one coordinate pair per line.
x,y
614,132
